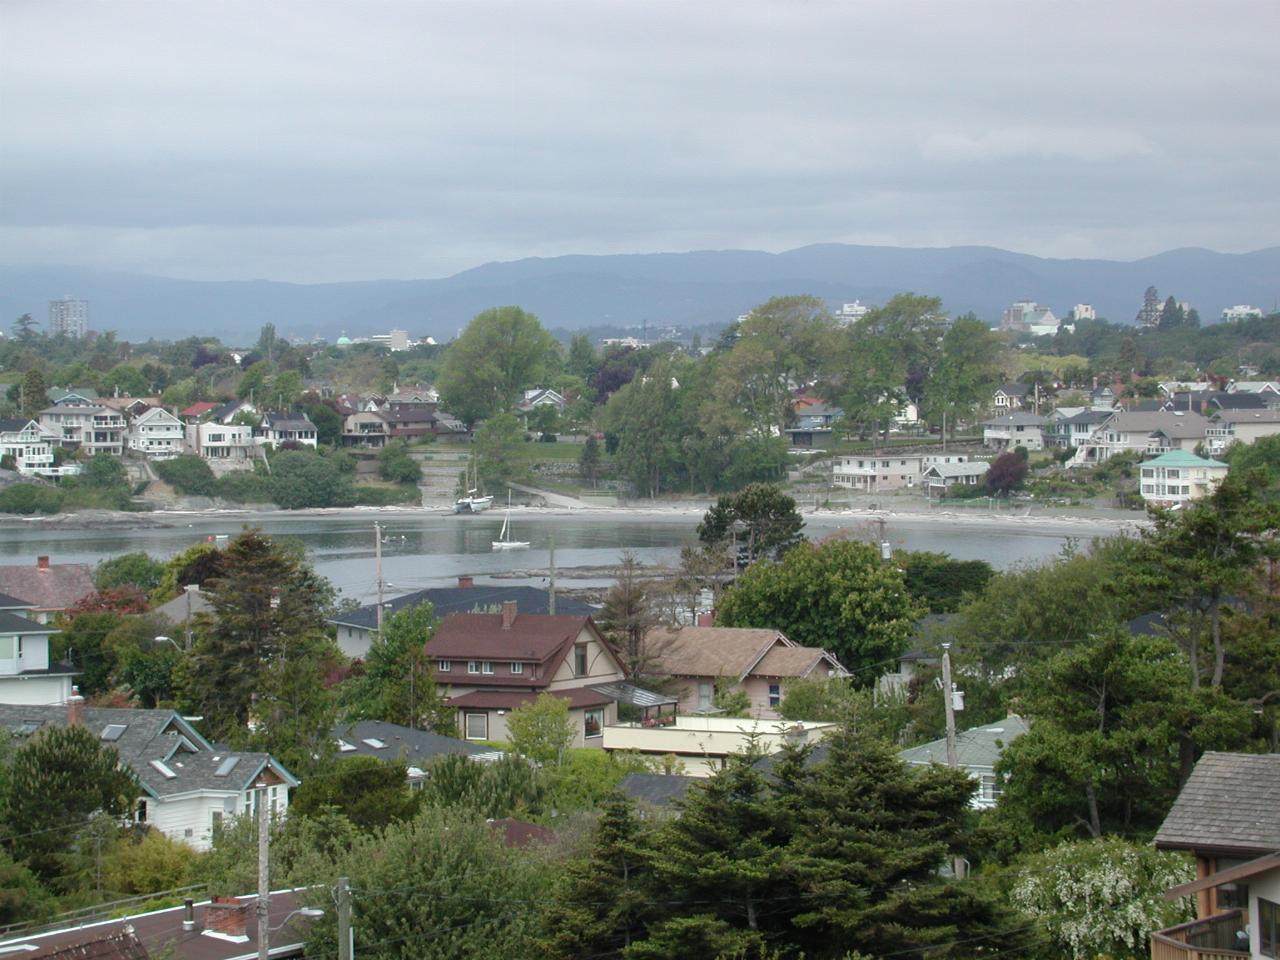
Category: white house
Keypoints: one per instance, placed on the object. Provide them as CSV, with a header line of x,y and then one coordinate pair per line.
x,y
977,751
1017,429
230,442
938,478
31,447
26,676
157,433
93,429
189,785
1144,432
1011,396
875,472
281,428
1240,426
1176,477
1241,311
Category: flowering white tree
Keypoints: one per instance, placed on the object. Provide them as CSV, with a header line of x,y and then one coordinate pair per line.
x,y
1103,897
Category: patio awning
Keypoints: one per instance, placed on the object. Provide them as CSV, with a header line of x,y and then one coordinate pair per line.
x,y
633,695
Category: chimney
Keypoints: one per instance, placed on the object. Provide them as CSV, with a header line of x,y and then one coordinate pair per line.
x,y
75,708
188,914
465,582
508,614
228,916
42,563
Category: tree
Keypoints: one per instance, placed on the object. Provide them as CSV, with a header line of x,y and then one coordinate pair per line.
x,y
641,415
57,780
396,683
541,729
24,328
128,569
197,565
264,652
1207,553
581,361
1102,897
942,582
1006,473
967,371
600,903
589,460
327,420
838,595
497,451
35,393
369,792
103,471
1103,753
1172,315
1149,314
760,518
188,474
126,380
301,479
397,466
627,616
502,351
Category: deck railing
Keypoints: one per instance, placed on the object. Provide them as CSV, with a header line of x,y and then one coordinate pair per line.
x,y
1213,938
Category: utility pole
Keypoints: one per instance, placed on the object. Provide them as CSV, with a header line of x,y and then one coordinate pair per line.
x,y
346,938
377,562
948,695
264,888
551,599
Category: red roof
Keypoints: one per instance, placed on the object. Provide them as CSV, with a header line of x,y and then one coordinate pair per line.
x,y
481,636
521,833
510,699
57,586
196,409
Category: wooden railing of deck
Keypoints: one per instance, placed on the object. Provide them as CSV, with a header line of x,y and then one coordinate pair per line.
x,y
1171,944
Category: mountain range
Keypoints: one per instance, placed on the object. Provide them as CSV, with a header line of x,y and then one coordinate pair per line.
x,y
685,289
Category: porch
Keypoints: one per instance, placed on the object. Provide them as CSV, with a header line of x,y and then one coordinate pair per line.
x,y
1213,938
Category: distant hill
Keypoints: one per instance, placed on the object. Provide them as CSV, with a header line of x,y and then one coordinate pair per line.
x,y
700,287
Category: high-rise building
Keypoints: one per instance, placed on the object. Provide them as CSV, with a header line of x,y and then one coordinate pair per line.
x,y
68,316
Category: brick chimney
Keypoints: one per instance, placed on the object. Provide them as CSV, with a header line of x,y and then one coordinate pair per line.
x,y
508,614
42,563
228,916
75,708
465,582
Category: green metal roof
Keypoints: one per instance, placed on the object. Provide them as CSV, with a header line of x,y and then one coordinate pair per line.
x,y
1180,458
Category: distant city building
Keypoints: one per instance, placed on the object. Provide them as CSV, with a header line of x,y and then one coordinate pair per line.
x,y
396,340
1241,311
1084,311
852,312
68,317
1027,316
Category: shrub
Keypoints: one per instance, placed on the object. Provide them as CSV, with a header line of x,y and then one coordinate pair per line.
x,y
28,498
244,486
368,495
188,475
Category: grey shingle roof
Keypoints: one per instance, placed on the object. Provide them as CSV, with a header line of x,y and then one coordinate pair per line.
x,y
416,748
976,748
154,735
13,623
446,600
1231,802
656,788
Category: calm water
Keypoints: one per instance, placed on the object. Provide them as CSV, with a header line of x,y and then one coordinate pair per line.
x,y
425,550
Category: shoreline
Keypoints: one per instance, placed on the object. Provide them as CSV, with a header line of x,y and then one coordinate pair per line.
x,y
913,515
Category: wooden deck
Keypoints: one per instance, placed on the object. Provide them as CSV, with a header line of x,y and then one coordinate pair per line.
x,y
1210,939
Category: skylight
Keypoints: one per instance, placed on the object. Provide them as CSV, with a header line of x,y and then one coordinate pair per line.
x,y
344,747
160,767
375,743
113,732
226,766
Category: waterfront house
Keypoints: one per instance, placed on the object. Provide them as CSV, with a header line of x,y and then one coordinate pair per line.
x,y
31,447
223,443
1240,426
93,429
1175,478
157,433
277,429
1227,816
1017,429
1142,432
189,785
758,662
938,478
365,428
878,471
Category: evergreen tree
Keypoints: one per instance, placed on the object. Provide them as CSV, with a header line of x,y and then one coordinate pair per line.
x,y
760,518
263,652
601,903
627,616
35,393
589,460
397,684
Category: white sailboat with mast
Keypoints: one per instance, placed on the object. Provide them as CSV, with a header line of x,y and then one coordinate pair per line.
x,y
472,502
504,541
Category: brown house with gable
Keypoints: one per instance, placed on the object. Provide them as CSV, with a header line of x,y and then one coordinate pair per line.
x,y
491,663
758,661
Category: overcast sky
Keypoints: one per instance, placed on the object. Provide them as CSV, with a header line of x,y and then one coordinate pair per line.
x,y
316,141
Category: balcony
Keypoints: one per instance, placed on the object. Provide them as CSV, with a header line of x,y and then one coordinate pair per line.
x,y
1213,938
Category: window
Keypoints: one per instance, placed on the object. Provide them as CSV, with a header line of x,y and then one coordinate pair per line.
x,y
477,726
579,661
444,666
517,667
473,666
775,694
215,820
8,648
141,815
1268,928
706,690
987,790
593,722
488,666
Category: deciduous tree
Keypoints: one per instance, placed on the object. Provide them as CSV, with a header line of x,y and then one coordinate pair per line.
x,y
541,729
759,519
502,351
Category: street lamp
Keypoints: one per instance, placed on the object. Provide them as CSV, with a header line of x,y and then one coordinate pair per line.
x,y
161,640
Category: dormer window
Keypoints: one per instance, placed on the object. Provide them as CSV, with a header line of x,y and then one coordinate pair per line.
x,y
444,666
473,666
517,667
488,666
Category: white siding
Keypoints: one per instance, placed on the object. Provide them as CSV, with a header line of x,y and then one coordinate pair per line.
x,y
37,690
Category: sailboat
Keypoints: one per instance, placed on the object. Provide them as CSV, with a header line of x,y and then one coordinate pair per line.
x,y
504,541
472,502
